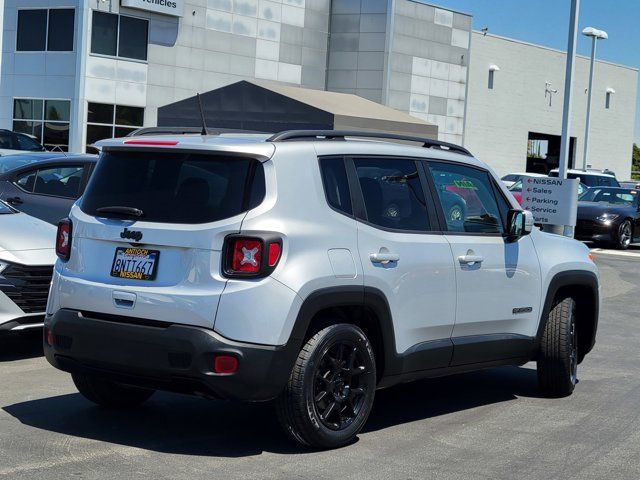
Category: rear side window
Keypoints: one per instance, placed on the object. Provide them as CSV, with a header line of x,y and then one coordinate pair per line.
x,y
175,187
392,194
336,185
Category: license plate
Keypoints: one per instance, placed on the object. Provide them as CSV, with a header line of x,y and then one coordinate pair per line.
x,y
135,263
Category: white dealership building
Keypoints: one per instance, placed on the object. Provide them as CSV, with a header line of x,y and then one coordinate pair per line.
x,y
75,71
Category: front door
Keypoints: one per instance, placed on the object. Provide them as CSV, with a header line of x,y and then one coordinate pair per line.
x,y
498,280
404,259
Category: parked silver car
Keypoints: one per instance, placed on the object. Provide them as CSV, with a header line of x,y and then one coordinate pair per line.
x,y
27,255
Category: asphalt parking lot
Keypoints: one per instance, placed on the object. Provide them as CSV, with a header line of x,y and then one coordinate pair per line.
x,y
491,424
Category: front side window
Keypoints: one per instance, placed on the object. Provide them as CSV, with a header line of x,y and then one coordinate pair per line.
x,y
44,29
119,36
47,121
109,121
467,198
174,187
392,194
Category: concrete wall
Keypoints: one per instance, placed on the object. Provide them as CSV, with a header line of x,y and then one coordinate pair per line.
x,y
498,120
357,47
427,71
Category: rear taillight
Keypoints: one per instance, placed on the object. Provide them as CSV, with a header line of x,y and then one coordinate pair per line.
x,y
247,255
63,239
255,256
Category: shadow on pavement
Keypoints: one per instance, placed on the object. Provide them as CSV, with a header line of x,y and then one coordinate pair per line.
x,y
187,425
20,347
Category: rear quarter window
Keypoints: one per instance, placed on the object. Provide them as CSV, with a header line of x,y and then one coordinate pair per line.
x,y
175,187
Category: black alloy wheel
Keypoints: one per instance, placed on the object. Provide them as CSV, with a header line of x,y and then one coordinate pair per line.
x,y
330,391
340,386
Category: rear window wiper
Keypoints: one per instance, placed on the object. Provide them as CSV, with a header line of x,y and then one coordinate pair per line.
x,y
126,211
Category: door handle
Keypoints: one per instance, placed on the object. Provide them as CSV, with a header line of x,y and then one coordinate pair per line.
x,y
14,200
470,259
384,257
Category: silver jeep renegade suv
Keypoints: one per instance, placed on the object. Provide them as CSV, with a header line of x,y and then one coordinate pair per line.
x,y
310,267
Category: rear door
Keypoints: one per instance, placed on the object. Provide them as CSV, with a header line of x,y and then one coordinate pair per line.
x,y
404,258
498,281
47,191
162,262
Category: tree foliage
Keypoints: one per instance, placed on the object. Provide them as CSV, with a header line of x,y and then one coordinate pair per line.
x,y
636,160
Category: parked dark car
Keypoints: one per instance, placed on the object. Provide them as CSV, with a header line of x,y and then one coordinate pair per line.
x,y
609,216
16,142
44,185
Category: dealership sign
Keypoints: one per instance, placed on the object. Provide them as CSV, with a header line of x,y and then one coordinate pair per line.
x,y
552,201
174,8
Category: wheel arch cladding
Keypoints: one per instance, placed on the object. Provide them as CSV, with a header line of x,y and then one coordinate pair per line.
x,y
582,286
363,306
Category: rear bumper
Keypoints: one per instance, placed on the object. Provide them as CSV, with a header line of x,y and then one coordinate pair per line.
x,y
165,356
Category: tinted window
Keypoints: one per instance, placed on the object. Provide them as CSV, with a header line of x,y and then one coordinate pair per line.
x,y
175,187
129,115
57,110
61,29
27,143
27,180
32,31
28,109
59,181
392,194
8,140
133,38
100,113
104,33
615,196
336,185
467,198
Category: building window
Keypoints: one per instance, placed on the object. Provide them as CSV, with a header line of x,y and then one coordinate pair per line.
x,y
109,121
119,36
46,120
41,30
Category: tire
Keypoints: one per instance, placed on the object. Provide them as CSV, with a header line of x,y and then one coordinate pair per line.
x,y
558,356
338,361
624,235
110,394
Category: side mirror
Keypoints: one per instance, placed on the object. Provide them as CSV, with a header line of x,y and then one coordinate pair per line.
x,y
520,223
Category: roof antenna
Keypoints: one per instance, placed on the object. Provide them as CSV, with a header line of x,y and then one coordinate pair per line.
x,y
204,123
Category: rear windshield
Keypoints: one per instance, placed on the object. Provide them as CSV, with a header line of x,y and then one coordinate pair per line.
x,y
174,187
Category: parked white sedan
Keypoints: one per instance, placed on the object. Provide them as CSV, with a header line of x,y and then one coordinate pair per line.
x,y
27,255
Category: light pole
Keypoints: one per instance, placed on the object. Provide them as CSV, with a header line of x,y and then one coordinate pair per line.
x,y
595,35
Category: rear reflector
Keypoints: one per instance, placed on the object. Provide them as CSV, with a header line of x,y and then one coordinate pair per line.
x,y
274,254
225,364
161,143
48,336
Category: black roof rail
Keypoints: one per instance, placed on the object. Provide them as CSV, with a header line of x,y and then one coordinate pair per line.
x,y
342,134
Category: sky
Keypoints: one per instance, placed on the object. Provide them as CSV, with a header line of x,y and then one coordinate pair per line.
x,y
546,22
